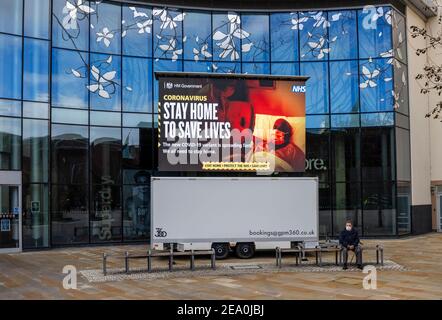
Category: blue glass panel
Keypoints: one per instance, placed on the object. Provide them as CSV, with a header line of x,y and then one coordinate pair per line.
x,y
164,65
226,67
105,27
198,36
317,86
344,120
377,119
374,31
200,66
226,36
140,120
342,34
35,110
37,18
11,12
256,68
284,36
255,44
105,82
70,24
70,75
103,118
10,108
168,28
137,84
344,91
317,121
313,35
10,66
376,85
69,116
287,69
36,70
137,29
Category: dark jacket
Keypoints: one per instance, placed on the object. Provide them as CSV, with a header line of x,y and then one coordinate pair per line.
x,y
349,238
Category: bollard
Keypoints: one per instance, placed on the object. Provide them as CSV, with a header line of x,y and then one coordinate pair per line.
x,y
171,259
149,261
104,264
192,261
377,254
213,259
126,260
277,256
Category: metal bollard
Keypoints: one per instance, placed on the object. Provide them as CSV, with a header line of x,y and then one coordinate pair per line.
x,y
382,256
149,261
171,259
277,256
126,261
377,254
192,261
104,264
212,262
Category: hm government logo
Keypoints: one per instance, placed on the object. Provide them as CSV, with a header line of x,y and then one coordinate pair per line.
x,y
168,85
298,89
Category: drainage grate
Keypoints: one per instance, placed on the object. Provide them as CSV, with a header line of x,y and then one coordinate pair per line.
x,y
246,267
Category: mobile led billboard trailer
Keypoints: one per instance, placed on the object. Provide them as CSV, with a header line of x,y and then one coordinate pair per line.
x,y
222,122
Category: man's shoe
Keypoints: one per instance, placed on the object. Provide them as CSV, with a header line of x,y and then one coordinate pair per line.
x,y
360,266
345,267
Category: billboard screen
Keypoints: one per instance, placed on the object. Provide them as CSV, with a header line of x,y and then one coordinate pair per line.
x,y
231,123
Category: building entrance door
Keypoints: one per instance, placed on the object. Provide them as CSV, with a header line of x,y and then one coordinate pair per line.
x,y
10,213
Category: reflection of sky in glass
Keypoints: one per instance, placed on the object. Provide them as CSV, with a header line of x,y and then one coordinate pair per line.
x,y
344,30
36,69
11,16
284,46
10,66
344,78
258,27
374,36
112,87
317,95
106,17
36,20
134,42
286,69
137,84
196,27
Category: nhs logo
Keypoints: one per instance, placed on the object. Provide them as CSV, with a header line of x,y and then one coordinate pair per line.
x,y
298,89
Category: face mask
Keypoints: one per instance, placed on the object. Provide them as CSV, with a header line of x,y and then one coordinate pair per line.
x,y
348,228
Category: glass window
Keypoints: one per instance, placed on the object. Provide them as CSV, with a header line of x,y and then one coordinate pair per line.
x,y
36,70
168,28
399,36
346,199
137,31
69,214
70,24
105,82
374,31
344,120
137,84
163,65
69,154
317,154
344,78
200,66
105,218
255,37
10,66
11,13
35,216
70,72
226,36
70,116
137,153
400,95
105,154
10,143
377,158
403,207
256,68
377,119
342,34
35,110
317,87
286,69
103,118
226,67
143,120
346,154
403,154
35,150
325,213
314,44
402,121
376,85
136,216
317,121
284,36
105,27
378,208
10,108
198,35
37,18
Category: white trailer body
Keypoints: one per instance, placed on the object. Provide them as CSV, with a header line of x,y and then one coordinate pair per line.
x,y
195,213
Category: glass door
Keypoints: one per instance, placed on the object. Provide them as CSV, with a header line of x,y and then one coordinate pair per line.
x,y
10,218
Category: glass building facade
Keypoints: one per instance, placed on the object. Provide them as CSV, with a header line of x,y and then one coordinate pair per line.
x,y
78,115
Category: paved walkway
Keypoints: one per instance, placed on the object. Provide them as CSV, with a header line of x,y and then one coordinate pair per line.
x,y
38,275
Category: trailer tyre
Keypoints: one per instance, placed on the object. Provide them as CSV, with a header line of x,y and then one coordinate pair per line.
x,y
221,250
245,250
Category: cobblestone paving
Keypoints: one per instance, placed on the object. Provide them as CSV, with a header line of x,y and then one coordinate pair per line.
x,y
413,270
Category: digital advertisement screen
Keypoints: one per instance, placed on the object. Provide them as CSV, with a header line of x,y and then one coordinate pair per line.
x,y
210,123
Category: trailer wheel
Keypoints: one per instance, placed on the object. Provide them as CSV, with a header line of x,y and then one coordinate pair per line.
x,y
221,250
245,250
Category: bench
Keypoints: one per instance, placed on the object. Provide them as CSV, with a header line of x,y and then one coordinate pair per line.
x,y
170,254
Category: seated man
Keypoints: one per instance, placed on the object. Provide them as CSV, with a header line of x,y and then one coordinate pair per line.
x,y
349,240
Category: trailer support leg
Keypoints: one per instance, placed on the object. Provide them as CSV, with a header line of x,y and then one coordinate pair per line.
x,y
149,261
192,261
171,259
104,264
126,261
213,259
